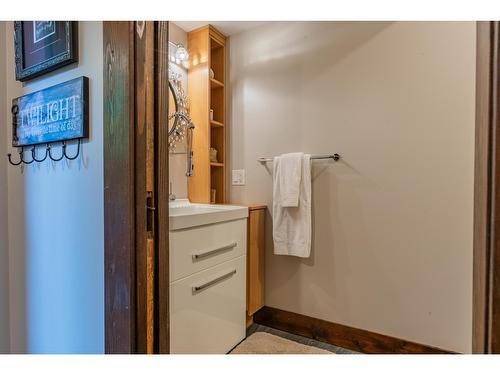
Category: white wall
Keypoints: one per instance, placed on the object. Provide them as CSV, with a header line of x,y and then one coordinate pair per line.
x,y
55,224
4,251
177,158
392,246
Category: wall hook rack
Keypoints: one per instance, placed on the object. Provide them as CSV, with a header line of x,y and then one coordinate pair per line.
x,y
55,115
48,153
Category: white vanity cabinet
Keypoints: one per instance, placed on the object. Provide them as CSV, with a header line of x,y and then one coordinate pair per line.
x,y
208,285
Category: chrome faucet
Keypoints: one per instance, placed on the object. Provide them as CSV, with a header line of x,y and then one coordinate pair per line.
x,y
189,160
189,138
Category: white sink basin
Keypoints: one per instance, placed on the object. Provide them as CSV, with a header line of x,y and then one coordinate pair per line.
x,y
183,214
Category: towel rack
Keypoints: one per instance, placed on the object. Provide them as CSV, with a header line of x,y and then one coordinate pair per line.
x,y
335,157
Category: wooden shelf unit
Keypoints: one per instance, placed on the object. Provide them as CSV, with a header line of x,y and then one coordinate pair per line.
x,y
207,49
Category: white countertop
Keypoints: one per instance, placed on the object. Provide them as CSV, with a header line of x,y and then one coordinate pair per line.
x,y
183,214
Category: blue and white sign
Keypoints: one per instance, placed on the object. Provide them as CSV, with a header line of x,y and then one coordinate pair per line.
x,y
57,113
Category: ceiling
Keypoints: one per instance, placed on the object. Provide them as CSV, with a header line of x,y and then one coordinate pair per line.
x,y
226,27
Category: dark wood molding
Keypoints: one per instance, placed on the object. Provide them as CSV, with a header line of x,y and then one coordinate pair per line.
x,y
493,264
144,142
161,187
482,176
486,261
119,182
340,335
136,187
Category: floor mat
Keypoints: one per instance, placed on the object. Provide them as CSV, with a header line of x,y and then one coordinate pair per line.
x,y
266,343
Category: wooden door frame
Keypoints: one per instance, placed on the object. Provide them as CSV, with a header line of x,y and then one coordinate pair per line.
x,y
123,323
486,272
135,62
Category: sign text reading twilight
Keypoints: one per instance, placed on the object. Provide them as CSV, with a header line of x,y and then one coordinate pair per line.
x,y
54,114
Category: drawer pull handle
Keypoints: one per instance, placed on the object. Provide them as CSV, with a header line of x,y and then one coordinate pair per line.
x,y
206,253
199,288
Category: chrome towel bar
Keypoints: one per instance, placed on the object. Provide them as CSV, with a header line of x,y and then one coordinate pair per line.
x,y
335,157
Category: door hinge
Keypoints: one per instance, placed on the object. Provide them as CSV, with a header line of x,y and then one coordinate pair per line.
x,y
150,214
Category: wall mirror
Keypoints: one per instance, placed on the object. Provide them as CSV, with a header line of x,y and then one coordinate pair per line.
x,y
180,125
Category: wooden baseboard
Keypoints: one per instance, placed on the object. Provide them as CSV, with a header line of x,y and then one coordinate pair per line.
x,y
340,335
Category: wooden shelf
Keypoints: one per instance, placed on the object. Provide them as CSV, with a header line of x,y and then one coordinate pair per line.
x,y
216,124
207,48
215,84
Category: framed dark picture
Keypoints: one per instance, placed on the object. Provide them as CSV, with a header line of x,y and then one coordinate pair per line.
x,y
43,46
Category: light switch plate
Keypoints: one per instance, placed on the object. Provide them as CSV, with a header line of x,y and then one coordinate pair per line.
x,y
238,177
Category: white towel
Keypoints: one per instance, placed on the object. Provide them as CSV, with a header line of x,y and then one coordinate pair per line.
x,y
292,225
289,170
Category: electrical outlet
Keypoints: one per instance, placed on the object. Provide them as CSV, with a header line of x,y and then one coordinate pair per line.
x,y
238,177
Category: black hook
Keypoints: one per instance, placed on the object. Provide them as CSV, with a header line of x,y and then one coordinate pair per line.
x,y
77,152
62,154
28,162
33,154
20,151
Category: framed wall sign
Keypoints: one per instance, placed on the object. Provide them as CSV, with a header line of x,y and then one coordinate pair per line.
x,y
57,113
43,46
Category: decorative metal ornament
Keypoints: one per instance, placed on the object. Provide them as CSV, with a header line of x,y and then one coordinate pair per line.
x,y
182,126
179,118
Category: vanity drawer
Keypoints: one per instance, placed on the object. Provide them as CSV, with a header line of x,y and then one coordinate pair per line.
x,y
195,249
207,310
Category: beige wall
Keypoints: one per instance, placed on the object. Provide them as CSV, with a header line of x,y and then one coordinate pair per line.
x,y
4,250
392,246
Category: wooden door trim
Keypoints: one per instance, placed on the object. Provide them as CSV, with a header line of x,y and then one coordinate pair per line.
x,y
162,315
486,278
144,143
119,183
133,53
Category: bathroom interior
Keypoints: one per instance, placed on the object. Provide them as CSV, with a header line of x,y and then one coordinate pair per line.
x,y
380,235
368,130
